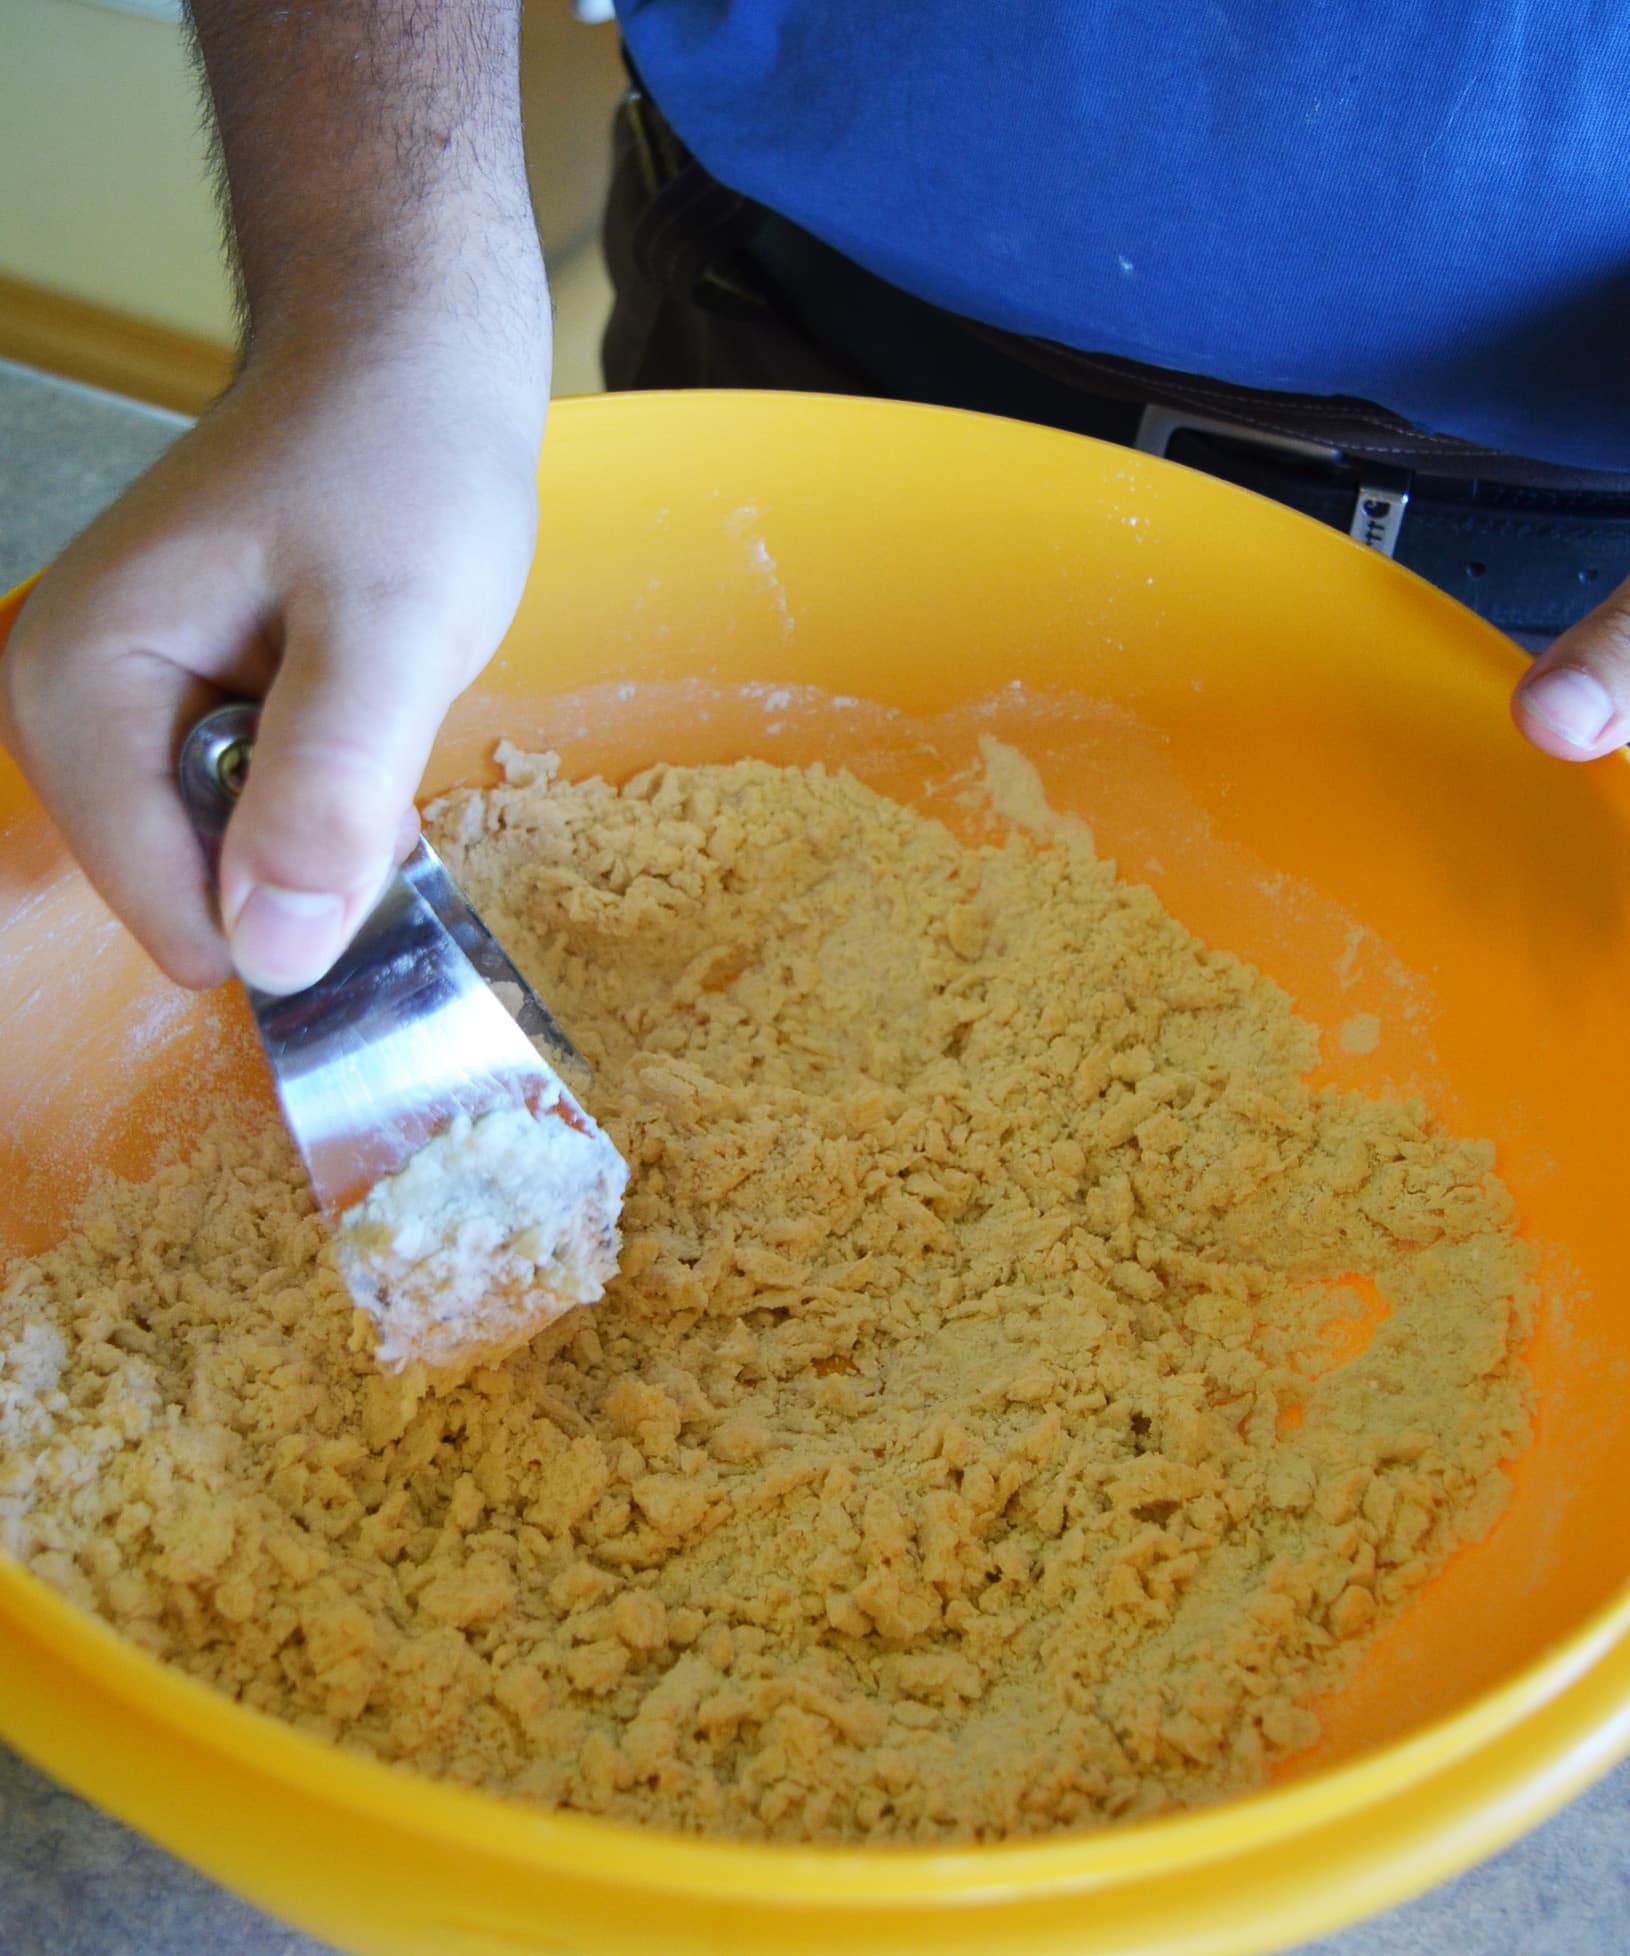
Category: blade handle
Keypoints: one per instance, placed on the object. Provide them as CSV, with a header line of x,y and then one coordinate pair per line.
x,y
211,769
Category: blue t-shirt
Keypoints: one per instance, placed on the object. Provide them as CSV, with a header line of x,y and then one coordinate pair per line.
x,y
1425,203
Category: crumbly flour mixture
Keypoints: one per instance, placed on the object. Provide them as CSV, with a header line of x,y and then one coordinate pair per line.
x,y
491,1231
981,1436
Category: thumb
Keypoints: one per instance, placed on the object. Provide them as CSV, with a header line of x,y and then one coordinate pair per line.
x,y
344,735
1574,701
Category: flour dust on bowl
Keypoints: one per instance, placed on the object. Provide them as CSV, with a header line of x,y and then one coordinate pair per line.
x,y
1305,753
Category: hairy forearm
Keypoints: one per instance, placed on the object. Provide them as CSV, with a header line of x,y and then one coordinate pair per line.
x,y
374,169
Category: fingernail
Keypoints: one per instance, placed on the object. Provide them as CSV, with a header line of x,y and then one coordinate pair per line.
x,y
1570,703
283,940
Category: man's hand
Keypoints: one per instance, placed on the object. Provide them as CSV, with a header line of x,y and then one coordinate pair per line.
x,y
347,536
1574,701
348,530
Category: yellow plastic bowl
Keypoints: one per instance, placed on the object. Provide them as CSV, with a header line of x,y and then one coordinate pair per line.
x,y
1307,752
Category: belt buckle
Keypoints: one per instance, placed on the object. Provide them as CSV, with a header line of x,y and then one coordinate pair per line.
x,y
1378,505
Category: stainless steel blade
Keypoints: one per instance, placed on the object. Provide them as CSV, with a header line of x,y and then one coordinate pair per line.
x,y
425,872
403,1034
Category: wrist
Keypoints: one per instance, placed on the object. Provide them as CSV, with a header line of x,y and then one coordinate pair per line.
x,y
481,329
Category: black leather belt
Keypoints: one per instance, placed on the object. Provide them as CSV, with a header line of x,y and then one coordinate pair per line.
x,y
1530,560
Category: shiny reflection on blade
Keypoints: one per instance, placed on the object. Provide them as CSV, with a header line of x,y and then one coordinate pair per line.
x,y
400,1038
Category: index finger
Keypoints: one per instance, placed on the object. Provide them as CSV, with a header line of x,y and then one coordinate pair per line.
x,y
98,741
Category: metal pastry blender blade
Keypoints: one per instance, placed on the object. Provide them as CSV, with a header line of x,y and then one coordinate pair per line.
x,y
404,1033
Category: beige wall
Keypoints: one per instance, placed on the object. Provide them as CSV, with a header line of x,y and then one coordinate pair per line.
x,y
571,77
104,192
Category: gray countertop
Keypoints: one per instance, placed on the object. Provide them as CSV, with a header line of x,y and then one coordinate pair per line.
x,y
75,1883
65,452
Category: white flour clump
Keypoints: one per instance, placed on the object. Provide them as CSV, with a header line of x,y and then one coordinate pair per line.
x,y
494,1229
